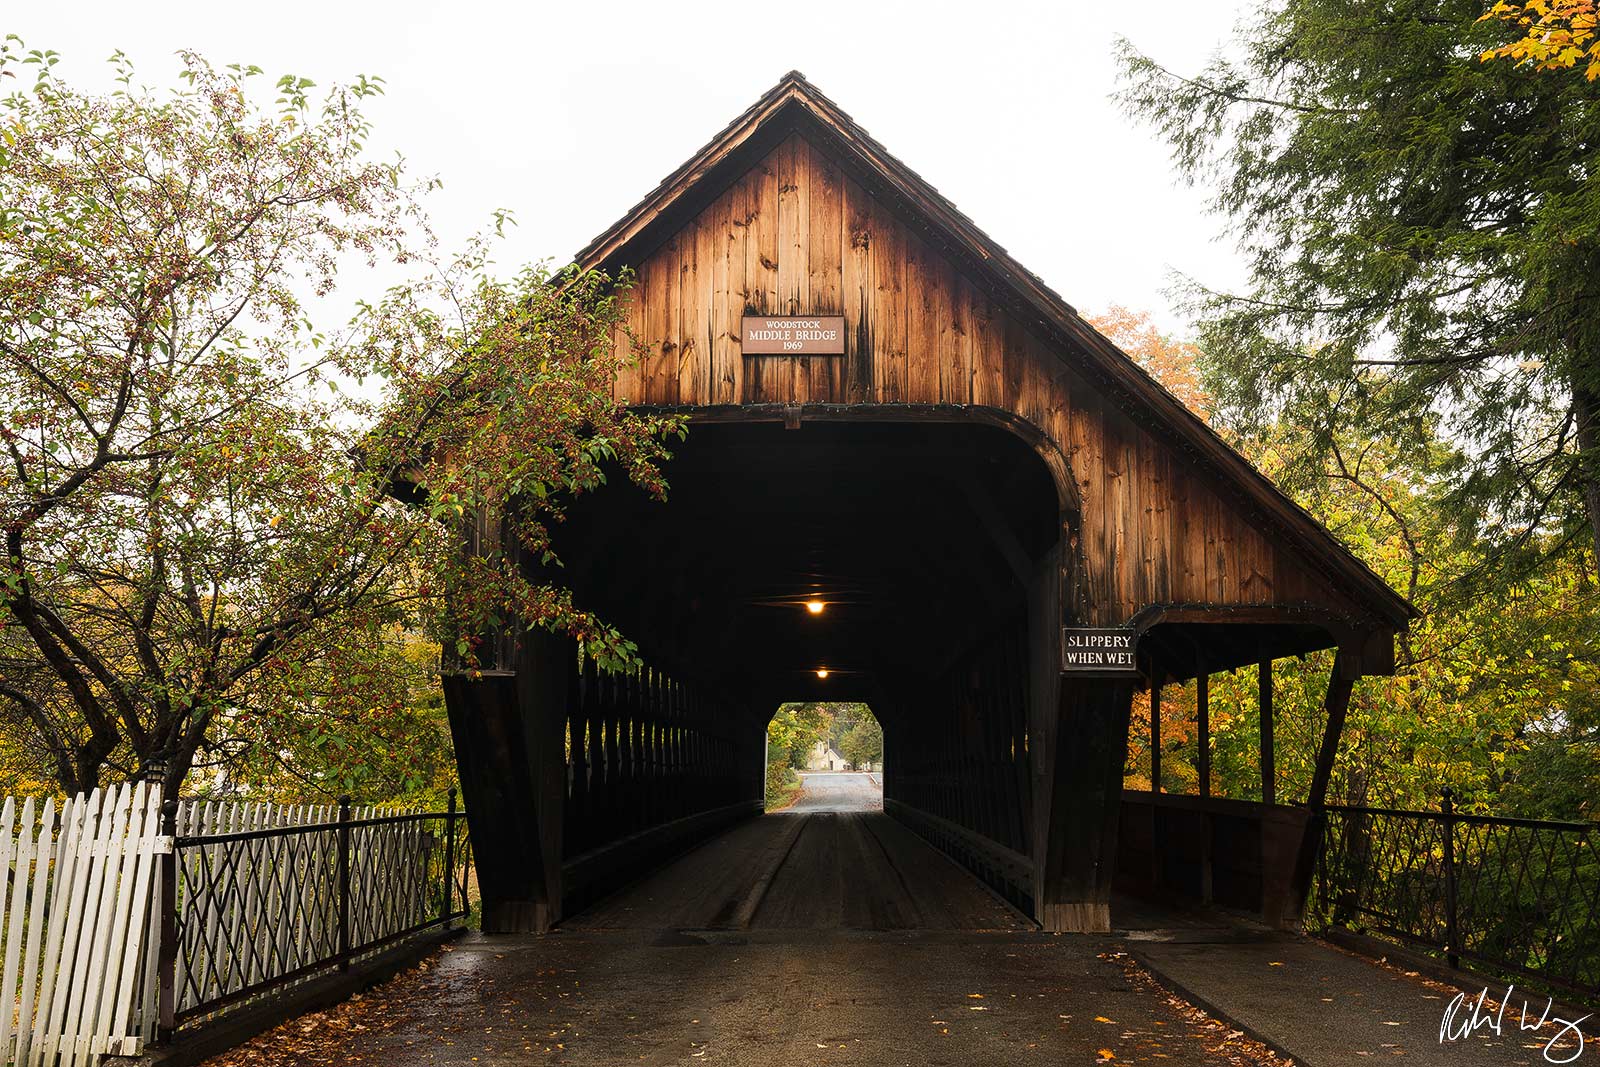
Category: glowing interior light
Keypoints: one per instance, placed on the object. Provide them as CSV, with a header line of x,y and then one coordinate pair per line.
x,y
815,606
822,672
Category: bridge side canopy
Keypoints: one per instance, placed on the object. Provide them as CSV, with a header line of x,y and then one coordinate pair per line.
x,y
793,209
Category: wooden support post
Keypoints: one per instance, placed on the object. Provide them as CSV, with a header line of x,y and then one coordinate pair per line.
x,y
1335,706
1080,844
508,732
1269,770
1202,700
1155,729
1158,840
344,883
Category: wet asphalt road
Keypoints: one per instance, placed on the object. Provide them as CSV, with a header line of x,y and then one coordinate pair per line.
x,y
830,934
838,792
783,999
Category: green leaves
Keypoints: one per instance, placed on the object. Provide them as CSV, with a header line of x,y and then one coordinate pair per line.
x,y
179,490
293,97
258,565
1423,231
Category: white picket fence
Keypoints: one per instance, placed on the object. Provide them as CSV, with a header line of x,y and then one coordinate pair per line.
x,y
79,909
75,917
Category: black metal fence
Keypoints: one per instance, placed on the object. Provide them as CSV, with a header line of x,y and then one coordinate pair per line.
x,y
1519,896
298,893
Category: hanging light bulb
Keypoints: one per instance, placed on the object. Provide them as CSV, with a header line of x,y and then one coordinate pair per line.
x,y
815,606
822,672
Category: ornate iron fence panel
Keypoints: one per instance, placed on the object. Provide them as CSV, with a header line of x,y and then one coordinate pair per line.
x,y
1517,895
258,897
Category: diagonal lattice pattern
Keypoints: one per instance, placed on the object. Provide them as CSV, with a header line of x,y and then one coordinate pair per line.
x,y
272,896
1526,894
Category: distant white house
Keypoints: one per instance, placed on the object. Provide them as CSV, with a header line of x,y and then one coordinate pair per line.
x,y
823,757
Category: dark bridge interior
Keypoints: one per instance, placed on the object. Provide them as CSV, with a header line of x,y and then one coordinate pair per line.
x,y
922,541
919,542
908,533
940,551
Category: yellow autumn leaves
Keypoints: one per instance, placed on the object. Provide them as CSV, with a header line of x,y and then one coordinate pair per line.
x,y
1556,34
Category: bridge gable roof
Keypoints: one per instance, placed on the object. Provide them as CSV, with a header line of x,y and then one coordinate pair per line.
x,y
795,106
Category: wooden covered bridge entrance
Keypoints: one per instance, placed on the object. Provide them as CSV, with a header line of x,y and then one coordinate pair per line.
x,y
892,416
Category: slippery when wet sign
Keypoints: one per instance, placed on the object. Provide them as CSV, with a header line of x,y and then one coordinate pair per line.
x,y
1101,650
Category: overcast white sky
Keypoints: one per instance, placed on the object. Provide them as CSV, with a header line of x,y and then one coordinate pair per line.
x,y
568,113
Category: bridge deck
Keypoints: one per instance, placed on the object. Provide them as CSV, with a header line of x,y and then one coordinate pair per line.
x,y
813,869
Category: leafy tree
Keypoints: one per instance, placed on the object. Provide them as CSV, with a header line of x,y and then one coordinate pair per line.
x,y
194,556
1556,34
1430,224
1171,362
842,718
862,744
794,730
791,733
371,726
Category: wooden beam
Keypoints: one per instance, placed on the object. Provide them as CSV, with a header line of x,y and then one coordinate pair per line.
x,y
1202,701
1335,706
1155,729
1269,770
1079,859
1000,533
509,734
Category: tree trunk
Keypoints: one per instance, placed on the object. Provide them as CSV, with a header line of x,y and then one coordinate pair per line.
x,y
1586,414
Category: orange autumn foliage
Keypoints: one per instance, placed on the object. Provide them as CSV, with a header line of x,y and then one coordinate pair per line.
x,y
1172,363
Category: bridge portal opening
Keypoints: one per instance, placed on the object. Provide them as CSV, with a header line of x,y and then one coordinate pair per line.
x,y
841,563
824,756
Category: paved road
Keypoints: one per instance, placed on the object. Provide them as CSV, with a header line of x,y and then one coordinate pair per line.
x,y
838,791
819,868
1327,1007
814,938
833,934
788,999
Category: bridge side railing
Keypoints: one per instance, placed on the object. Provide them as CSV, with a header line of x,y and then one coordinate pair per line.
x,y
650,767
1239,854
1520,896
255,898
962,780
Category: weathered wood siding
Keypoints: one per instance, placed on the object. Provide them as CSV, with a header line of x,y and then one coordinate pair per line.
x,y
797,235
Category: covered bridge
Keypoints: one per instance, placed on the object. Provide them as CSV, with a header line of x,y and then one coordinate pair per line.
x,y
1013,529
